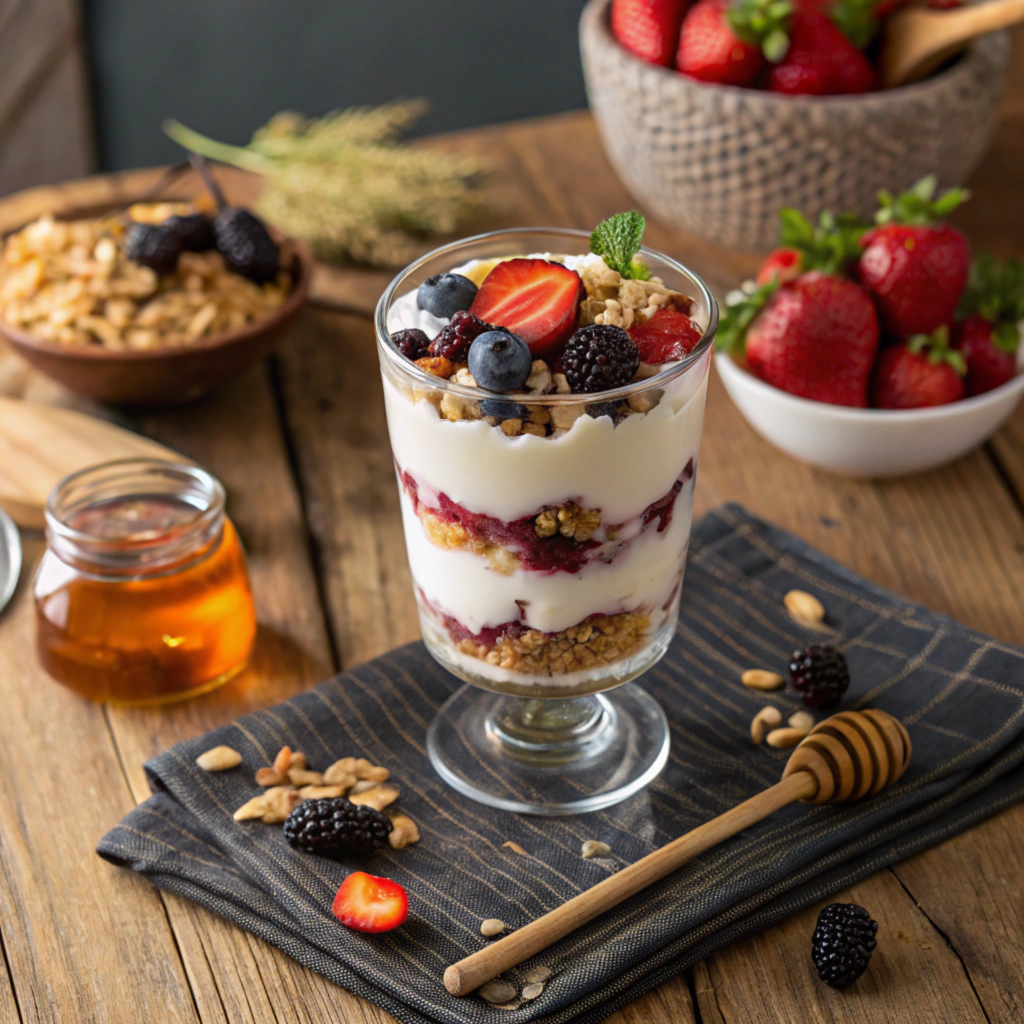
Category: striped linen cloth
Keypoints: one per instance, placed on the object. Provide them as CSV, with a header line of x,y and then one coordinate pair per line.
x,y
960,695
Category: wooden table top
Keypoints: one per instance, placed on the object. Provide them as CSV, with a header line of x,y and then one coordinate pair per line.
x,y
302,447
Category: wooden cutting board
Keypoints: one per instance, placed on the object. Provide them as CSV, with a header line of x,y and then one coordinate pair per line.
x,y
40,444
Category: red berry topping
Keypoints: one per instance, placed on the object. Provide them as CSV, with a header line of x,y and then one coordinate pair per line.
x,y
535,299
370,904
667,336
457,335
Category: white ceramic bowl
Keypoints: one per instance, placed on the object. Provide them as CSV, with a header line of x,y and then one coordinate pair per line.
x,y
867,442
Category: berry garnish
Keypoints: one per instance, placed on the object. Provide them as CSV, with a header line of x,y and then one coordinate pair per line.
x,y
153,246
599,409
446,294
457,335
500,361
843,942
496,409
535,299
821,675
370,904
332,826
667,336
194,229
599,357
413,343
245,243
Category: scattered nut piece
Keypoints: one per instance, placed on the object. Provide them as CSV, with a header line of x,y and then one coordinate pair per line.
x,y
339,771
491,927
321,792
767,718
783,739
298,760
404,832
278,803
436,366
378,798
253,808
270,777
802,720
533,990
497,991
368,770
283,761
761,679
594,848
535,974
514,847
303,777
362,786
804,607
219,759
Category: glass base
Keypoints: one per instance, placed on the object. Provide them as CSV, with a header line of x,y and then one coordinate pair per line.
x,y
549,757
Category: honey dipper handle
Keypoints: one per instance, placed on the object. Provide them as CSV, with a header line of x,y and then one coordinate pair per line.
x,y
471,972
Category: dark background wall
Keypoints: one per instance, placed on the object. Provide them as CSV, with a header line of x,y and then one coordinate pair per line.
x,y
224,67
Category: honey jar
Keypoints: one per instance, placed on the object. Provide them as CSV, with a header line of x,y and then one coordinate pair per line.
x,y
142,596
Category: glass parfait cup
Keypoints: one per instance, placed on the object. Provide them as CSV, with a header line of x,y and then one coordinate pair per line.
x,y
547,536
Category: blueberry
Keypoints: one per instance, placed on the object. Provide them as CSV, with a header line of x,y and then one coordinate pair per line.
x,y
501,410
446,294
500,361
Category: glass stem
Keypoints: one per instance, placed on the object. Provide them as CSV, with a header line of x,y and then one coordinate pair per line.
x,y
550,731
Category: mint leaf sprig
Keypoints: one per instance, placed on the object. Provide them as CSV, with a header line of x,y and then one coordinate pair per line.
x,y
617,240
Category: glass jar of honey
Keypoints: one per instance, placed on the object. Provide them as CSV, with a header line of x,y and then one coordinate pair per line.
x,y
142,596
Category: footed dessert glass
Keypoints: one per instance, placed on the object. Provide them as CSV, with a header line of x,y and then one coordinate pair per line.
x,y
547,535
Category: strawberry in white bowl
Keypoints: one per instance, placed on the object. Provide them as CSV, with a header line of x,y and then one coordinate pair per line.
x,y
876,351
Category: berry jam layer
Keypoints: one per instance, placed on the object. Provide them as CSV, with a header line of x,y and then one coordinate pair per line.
x,y
557,538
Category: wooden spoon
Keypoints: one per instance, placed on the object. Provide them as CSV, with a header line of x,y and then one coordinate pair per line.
x,y
846,757
917,39
41,444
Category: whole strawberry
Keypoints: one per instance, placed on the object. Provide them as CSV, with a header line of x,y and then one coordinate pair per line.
x,y
918,373
728,42
989,337
649,28
914,265
815,336
820,61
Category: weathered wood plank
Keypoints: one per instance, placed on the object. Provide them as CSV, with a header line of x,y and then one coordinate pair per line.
x,y
914,975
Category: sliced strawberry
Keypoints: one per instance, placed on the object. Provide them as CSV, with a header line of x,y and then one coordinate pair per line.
x,y
533,298
667,336
370,904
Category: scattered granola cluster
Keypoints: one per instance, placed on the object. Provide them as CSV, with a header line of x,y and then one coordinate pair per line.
x,y
622,302
600,640
289,781
71,282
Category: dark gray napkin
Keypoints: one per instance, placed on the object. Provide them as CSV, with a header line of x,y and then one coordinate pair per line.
x,y
960,694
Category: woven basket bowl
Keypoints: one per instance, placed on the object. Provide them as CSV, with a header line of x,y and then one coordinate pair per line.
x,y
720,162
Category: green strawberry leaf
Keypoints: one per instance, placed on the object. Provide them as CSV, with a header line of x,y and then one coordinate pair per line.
x,y
617,240
763,23
856,20
995,292
936,348
917,205
739,315
830,246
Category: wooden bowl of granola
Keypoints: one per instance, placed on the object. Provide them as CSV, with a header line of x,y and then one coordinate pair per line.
x,y
79,311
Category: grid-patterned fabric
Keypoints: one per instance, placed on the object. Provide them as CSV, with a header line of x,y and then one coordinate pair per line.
x,y
960,694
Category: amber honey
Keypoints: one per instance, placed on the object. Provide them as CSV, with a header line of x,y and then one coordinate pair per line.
x,y
143,594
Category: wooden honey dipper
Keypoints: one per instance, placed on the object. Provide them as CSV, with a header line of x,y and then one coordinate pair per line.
x,y
851,755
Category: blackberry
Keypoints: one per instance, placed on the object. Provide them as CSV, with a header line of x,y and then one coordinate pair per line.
x,y
599,357
843,942
458,334
413,343
194,229
821,675
336,825
599,409
153,246
245,243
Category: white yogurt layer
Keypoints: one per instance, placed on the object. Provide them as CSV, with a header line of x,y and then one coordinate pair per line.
x,y
463,585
